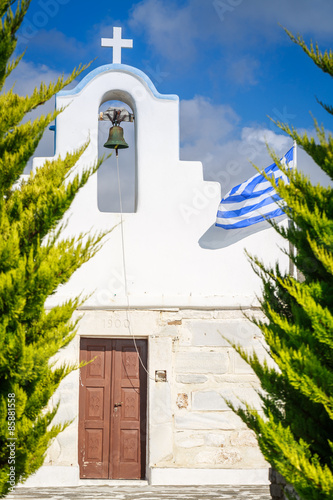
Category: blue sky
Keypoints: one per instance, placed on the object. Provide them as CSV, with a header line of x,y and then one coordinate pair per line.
x,y
229,61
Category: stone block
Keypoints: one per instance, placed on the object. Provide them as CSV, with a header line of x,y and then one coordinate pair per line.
x,y
276,491
215,439
208,401
161,443
202,362
168,316
161,409
238,395
218,456
271,475
207,457
240,366
228,456
182,400
63,450
168,331
52,477
68,395
191,379
190,314
280,479
236,378
68,443
289,492
212,333
243,438
216,400
191,442
53,452
160,353
217,421
205,333
116,323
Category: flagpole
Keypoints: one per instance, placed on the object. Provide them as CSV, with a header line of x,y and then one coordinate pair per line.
x,y
292,268
295,154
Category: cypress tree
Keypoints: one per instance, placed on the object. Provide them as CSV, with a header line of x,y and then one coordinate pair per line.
x,y
34,261
296,433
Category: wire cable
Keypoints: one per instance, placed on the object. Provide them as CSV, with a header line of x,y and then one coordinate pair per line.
x,y
125,271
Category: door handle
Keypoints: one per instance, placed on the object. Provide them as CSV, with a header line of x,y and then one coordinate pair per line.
x,y
117,404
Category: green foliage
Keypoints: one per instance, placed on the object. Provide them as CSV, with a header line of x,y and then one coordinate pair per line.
x,y
34,261
296,431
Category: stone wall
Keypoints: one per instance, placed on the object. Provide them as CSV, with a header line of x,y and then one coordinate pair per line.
x,y
279,488
206,372
189,424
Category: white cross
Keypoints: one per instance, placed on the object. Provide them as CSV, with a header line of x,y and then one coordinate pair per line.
x,y
117,43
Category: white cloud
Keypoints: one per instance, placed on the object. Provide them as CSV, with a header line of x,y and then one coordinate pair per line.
x,y
25,78
28,75
55,41
227,151
175,31
262,137
244,71
211,134
200,118
170,29
305,16
255,21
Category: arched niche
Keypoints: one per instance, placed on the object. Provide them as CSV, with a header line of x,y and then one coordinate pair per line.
x,y
156,133
108,199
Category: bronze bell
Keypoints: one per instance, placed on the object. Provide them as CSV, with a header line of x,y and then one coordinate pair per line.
x,y
116,139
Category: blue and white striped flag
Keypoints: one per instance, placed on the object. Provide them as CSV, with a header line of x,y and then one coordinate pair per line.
x,y
254,200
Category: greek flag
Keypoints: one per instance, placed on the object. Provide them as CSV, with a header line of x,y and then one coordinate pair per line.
x,y
254,200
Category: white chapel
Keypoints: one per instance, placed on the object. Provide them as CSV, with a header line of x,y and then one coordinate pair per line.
x,y
151,406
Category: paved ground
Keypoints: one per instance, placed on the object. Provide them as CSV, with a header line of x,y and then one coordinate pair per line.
x,y
144,493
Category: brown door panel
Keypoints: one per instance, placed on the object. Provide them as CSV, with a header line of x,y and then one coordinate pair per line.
x,y
94,429
112,422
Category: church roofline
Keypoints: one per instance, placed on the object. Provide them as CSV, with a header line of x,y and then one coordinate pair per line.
x,y
117,67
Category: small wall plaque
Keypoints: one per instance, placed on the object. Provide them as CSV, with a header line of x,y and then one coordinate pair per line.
x,y
160,376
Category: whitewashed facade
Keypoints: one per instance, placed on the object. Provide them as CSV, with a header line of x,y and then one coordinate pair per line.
x,y
188,285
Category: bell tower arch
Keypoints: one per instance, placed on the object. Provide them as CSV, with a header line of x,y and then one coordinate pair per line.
x,y
173,206
108,196
156,125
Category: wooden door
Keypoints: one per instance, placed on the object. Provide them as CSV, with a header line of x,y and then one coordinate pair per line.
x,y
112,409
94,408
127,447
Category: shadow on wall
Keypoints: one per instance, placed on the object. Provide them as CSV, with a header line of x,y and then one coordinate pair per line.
x,y
217,237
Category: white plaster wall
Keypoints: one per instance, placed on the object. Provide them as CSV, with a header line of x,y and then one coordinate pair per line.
x,y
168,260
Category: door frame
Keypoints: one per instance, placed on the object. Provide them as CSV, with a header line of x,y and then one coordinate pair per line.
x,y
144,410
